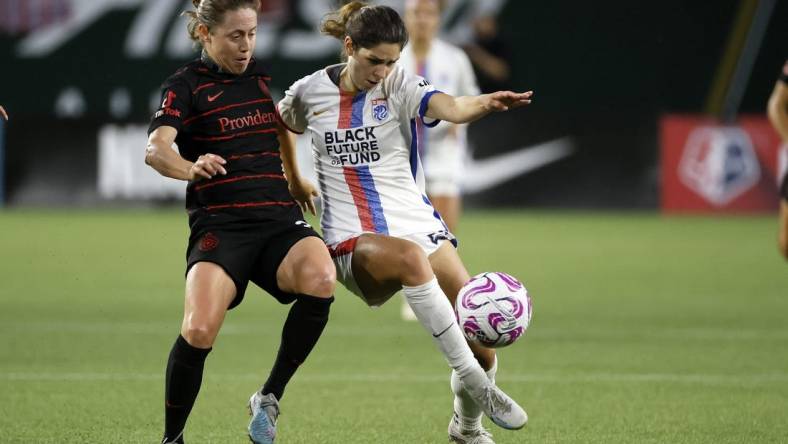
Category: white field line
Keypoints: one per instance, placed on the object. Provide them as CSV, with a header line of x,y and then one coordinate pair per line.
x,y
410,329
700,379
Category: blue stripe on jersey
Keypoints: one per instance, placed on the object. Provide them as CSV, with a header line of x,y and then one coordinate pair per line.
x,y
437,215
325,217
373,198
434,211
357,116
414,148
425,101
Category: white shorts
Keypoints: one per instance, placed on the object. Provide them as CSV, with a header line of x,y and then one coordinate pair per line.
x,y
444,169
342,255
443,187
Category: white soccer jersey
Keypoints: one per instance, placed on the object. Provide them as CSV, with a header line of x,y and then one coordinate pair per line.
x,y
364,152
443,149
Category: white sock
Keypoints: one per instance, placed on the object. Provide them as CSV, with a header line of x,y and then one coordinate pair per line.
x,y
469,413
434,312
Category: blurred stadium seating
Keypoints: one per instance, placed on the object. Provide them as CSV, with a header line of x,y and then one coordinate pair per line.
x,y
604,76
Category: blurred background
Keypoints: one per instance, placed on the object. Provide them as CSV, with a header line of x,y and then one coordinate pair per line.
x,y
621,88
650,325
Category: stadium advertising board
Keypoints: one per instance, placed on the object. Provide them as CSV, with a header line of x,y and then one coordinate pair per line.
x,y
710,167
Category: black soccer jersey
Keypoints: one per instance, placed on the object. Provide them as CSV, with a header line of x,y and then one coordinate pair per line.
x,y
232,116
784,184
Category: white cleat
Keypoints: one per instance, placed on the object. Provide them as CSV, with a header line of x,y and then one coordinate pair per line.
x,y
264,410
459,436
499,407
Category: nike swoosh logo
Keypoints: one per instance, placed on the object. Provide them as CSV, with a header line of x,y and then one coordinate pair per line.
x,y
487,173
444,331
214,97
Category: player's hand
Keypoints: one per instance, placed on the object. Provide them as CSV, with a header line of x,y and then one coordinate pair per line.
x,y
506,100
207,166
304,192
3,113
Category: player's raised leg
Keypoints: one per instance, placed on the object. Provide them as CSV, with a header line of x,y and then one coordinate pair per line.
x,y
380,265
209,291
308,273
466,422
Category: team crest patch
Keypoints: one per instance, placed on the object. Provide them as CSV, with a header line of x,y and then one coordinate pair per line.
x,y
208,242
380,109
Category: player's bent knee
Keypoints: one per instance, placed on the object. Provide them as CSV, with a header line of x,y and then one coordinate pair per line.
x,y
317,279
200,336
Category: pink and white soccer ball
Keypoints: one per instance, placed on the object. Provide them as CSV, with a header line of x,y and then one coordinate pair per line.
x,y
494,309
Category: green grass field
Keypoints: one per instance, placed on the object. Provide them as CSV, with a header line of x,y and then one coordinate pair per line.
x,y
646,330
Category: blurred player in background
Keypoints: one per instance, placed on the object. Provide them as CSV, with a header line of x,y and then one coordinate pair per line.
x,y
443,149
3,113
245,225
490,54
778,114
381,229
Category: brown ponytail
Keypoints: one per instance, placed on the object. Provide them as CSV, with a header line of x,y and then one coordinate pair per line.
x,y
366,25
335,23
211,13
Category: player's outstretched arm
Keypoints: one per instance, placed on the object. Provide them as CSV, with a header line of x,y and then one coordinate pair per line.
x,y
3,113
303,191
778,109
466,109
160,155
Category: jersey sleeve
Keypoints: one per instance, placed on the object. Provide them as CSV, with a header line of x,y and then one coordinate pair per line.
x,y
175,105
411,94
292,109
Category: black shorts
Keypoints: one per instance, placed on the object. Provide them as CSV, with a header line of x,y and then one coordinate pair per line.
x,y
784,187
248,252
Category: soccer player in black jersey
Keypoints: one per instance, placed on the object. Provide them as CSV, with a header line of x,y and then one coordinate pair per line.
x,y
245,222
778,114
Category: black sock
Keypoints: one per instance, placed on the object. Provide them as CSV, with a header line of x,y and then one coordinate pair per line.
x,y
182,383
302,329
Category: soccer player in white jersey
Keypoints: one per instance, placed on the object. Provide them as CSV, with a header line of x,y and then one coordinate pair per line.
x,y
381,229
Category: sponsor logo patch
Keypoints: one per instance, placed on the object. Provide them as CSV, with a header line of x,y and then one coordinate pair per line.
x,y
208,242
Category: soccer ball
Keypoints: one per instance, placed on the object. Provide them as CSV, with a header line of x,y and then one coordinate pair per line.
x,y
493,309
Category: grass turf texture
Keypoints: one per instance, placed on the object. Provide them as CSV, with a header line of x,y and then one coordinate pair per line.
x,y
646,329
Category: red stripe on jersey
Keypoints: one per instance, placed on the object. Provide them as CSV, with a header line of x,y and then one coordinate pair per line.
x,y
343,248
360,199
238,179
259,154
223,108
201,87
249,205
345,109
233,136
